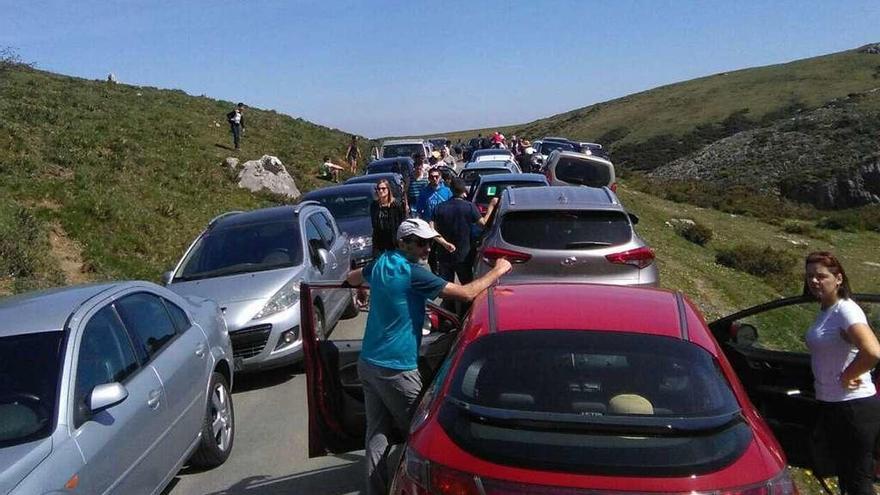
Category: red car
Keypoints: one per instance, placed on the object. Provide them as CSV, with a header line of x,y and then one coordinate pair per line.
x,y
576,388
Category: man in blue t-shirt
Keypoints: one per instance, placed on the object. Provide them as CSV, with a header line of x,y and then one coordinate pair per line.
x,y
388,366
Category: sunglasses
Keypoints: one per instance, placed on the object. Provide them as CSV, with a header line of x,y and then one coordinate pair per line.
x,y
421,242
383,188
434,176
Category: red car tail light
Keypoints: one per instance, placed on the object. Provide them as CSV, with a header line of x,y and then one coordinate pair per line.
x,y
780,485
493,253
614,187
422,477
639,257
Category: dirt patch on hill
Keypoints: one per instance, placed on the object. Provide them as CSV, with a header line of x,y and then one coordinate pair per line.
x,y
5,286
69,255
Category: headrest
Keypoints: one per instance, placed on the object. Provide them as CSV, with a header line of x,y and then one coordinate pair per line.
x,y
630,404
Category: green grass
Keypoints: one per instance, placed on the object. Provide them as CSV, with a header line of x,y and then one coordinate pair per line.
x,y
131,174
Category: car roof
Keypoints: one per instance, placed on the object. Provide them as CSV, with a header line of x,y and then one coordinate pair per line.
x,y
584,307
557,139
584,157
272,214
340,190
485,179
403,141
492,151
373,178
488,164
46,310
554,197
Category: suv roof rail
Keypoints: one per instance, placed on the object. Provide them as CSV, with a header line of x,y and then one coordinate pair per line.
x,y
509,191
302,204
222,216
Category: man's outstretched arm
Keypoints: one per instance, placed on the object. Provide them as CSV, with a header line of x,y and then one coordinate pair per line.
x,y
469,291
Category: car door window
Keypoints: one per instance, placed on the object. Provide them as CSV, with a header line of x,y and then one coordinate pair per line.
x,y
178,316
314,239
145,315
105,356
325,226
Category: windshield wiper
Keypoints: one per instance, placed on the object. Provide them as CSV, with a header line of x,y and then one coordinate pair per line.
x,y
598,423
586,244
226,270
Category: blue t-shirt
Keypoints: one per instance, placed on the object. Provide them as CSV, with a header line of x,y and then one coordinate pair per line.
x,y
398,291
430,198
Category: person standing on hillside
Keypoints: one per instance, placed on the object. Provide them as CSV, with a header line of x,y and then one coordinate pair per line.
x,y
388,365
353,154
236,124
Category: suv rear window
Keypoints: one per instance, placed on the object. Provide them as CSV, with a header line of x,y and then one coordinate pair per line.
x,y
566,229
594,402
583,172
470,175
407,150
494,189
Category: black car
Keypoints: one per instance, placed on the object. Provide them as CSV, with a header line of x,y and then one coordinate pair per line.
x,y
393,178
403,166
350,206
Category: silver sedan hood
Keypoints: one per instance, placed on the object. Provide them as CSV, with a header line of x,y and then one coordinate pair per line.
x,y
18,461
240,287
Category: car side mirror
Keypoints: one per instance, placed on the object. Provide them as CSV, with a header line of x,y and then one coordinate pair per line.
x,y
743,334
167,277
106,395
323,258
633,218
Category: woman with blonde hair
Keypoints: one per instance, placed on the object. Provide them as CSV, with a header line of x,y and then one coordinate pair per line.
x,y
843,351
386,213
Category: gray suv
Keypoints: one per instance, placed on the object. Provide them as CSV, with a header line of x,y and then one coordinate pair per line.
x,y
252,263
572,232
110,388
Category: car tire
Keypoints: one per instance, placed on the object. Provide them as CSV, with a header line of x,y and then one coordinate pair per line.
x,y
218,429
351,310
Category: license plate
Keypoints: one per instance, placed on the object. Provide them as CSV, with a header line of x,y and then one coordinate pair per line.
x,y
237,364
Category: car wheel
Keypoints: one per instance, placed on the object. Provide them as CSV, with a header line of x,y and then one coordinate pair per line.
x,y
351,310
319,323
218,429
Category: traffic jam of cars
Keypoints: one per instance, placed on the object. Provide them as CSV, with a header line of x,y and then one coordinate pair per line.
x,y
575,374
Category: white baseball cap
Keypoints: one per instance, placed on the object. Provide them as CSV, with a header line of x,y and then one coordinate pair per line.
x,y
416,227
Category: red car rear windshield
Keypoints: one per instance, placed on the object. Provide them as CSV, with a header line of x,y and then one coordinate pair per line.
x,y
594,402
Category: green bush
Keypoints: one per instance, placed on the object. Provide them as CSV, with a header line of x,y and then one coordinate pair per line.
x,y
696,232
756,260
792,227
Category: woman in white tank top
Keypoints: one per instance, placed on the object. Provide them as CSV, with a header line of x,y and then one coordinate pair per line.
x,y
843,351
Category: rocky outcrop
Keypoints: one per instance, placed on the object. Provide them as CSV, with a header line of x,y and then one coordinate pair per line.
x,y
873,48
267,174
230,163
827,157
846,190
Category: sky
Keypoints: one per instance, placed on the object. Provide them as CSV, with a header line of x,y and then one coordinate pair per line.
x,y
388,67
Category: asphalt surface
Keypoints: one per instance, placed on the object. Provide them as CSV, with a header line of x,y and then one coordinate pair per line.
x,y
270,453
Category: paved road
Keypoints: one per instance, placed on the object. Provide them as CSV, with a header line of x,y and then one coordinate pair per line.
x,y
270,454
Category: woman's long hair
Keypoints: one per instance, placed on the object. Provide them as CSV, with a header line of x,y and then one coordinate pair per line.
x,y
390,191
833,265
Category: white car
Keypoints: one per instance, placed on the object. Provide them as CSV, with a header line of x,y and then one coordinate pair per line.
x,y
568,168
406,148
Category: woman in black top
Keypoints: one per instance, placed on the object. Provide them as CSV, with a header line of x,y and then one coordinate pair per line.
x,y
386,213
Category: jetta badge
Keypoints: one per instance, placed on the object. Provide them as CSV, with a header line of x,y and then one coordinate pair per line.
x,y
570,261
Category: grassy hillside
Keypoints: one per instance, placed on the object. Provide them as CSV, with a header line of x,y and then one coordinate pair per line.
x,y
762,93
103,180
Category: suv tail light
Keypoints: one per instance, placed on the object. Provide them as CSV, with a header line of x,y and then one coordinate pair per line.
x,y
614,187
493,253
419,476
639,257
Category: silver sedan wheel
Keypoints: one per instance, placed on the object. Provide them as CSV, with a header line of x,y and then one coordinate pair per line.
x,y
221,418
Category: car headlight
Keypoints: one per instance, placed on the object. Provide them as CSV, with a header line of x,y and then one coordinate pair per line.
x,y
360,243
287,296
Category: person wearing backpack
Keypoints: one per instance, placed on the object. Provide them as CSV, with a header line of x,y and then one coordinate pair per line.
x,y
236,124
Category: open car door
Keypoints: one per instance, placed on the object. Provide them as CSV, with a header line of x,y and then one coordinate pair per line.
x,y
335,396
765,345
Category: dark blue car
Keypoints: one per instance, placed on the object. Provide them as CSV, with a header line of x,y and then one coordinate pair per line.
x,y
350,206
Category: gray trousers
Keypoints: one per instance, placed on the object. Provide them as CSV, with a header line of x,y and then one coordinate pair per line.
x,y
389,398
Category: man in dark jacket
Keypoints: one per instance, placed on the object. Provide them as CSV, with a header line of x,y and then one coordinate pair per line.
x,y
236,123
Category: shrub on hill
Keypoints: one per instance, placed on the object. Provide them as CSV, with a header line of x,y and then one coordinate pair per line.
x,y
757,260
696,232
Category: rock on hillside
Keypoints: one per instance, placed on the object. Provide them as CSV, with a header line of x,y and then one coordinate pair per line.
x,y
267,173
827,157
